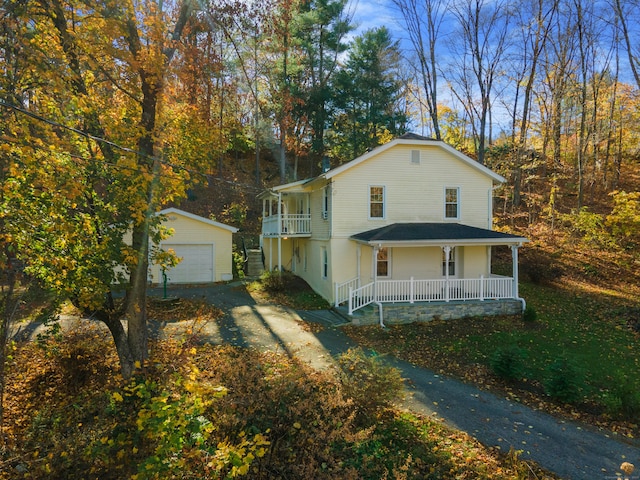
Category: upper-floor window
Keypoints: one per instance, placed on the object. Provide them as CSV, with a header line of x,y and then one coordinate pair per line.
x,y
376,201
415,157
452,202
325,202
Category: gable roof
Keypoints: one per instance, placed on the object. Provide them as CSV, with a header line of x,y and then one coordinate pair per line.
x,y
415,234
198,218
406,139
417,140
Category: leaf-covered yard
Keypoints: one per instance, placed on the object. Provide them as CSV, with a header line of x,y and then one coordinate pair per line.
x,y
200,411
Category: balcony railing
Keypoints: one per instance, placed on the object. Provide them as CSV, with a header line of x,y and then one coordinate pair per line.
x,y
287,225
438,290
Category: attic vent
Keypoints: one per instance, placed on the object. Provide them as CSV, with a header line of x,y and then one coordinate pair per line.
x,y
415,157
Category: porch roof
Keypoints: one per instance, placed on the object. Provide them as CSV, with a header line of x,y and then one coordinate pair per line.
x,y
432,234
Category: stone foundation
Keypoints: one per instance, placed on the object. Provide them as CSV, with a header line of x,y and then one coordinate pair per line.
x,y
403,313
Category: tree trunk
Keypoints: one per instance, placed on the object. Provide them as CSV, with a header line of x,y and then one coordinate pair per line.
x,y
121,340
7,309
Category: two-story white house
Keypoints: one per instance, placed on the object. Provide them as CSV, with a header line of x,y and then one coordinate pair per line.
x,y
409,223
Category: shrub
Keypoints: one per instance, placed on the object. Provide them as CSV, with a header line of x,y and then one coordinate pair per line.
x,y
508,362
622,399
540,266
238,264
273,282
529,315
564,382
371,383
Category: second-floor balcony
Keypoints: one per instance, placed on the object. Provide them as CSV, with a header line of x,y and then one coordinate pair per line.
x,y
287,225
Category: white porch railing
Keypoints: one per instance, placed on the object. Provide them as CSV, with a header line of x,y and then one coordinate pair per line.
x,y
341,293
286,225
440,290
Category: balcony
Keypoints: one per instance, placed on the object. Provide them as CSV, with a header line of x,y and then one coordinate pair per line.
x,y
298,225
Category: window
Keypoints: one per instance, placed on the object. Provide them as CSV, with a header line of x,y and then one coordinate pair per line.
x,y
325,263
415,157
376,201
382,263
325,203
452,262
304,257
452,203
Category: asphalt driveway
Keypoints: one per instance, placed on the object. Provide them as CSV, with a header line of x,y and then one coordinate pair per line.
x,y
572,450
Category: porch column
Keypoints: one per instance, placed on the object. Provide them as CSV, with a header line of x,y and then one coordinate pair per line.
x,y
514,259
270,254
374,269
447,253
279,232
358,255
279,214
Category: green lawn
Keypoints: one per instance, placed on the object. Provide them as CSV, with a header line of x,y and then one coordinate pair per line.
x,y
585,331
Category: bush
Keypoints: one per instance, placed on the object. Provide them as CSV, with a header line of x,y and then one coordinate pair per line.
x,y
368,381
238,264
564,381
540,266
508,362
529,315
273,282
623,399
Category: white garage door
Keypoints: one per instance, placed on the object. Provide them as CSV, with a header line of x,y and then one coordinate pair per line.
x,y
197,264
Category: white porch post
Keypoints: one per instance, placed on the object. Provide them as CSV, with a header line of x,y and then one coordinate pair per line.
x,y
514,259
279,232
270,254
447,252
358,255
374,269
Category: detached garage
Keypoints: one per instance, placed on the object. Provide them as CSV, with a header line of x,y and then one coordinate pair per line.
x,y
203,245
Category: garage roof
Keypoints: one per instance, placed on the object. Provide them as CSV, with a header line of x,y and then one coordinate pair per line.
x,y
192,216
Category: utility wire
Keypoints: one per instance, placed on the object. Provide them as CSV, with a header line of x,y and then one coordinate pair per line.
x,y
95,138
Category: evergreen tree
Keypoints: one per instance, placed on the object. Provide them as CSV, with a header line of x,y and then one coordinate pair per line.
x,y
368,94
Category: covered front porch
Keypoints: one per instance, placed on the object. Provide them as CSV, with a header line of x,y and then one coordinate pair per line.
x,y
457,243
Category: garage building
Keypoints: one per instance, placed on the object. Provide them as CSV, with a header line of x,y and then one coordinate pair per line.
x,y
205,247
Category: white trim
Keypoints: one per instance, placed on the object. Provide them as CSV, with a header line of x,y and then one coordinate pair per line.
x,y
177,211
326,202
458,206
420,143
384,201
389,274
324,262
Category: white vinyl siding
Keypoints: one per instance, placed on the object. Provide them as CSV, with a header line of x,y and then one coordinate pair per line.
x,y
197,242
413,193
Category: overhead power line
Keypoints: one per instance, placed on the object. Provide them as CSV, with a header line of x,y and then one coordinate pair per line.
x,y
95,138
